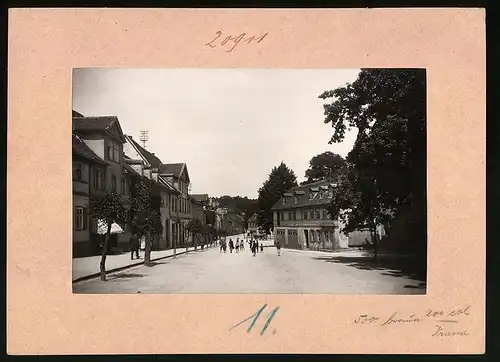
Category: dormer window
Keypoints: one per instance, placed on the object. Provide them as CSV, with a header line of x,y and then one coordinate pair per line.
x,y
113,151
283,200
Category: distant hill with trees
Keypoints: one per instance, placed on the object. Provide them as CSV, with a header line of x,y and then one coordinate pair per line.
x,y
242,205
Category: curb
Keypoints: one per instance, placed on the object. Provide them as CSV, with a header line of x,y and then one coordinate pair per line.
x,y
95,275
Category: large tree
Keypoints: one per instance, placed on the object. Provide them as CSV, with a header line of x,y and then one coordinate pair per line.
x,y
108,209
144,213
326,165
387,165
281,179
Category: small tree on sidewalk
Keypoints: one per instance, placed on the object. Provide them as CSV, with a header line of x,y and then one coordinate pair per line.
x,y
145,215
195,227
108,209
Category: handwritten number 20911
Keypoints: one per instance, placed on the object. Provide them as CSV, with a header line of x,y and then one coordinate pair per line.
x,y
256,317
235,40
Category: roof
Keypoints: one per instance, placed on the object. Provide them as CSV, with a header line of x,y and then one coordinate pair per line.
x,y
168,185
200,197
150,157
172,169
197,202
81,149
90,124
76,114
301,194
129,168
236,217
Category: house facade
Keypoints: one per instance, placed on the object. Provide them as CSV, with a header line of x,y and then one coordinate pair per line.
x,y
253,227
233,222
177,175
86,164
148,165
301,220
104,137
198,213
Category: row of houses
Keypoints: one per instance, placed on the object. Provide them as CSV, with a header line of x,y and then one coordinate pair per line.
x,y
301,220
106,160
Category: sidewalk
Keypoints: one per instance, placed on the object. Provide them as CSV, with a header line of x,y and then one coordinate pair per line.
x,y
86,268
343,253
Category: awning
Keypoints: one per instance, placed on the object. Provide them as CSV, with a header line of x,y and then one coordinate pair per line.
x,y
102,228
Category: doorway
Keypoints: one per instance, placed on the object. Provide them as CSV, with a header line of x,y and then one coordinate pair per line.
x,y
306,233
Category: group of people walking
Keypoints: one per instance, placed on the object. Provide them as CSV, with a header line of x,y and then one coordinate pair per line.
x,y
240,245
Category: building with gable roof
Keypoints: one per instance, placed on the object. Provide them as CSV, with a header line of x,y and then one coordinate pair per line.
x,y
301,220
253,226
85,164
148,165
103,135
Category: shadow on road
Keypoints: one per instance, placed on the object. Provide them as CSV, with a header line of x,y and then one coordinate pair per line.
x,y
398,267
125,275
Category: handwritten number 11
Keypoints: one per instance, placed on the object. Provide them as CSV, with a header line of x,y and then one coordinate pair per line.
x,y
256,317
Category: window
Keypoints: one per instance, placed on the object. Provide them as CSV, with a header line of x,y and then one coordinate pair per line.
x,y
320,194
325,216
110,150
294,216
78,172
304,215
113,183
289,216
95,179
116,152
282,217
318,214
330,193
295,199
103,180
311,214
122,186
311,196
79,218
283,201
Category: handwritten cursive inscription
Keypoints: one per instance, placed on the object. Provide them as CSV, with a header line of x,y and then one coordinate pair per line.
x,y
395,319
440,316
365,318
233,41
441,332
256,316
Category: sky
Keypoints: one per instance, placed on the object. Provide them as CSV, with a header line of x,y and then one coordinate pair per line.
x,y
230,126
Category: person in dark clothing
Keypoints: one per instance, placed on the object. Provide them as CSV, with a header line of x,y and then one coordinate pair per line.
x,y
134,246
231,245
253,247
261,247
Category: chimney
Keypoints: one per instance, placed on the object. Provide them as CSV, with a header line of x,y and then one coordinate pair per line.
x,y
153,153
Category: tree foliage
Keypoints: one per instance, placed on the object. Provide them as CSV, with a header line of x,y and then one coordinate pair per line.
x,y
241,205
281,179
386,172
108,208
327,165
144,213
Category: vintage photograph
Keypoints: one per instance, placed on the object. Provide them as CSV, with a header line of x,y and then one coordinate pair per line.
x,y
249,181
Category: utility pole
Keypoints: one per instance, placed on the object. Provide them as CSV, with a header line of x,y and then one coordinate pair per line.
x,y
144,138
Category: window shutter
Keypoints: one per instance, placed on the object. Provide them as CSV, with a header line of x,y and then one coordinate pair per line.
x,y
74,218
85,217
